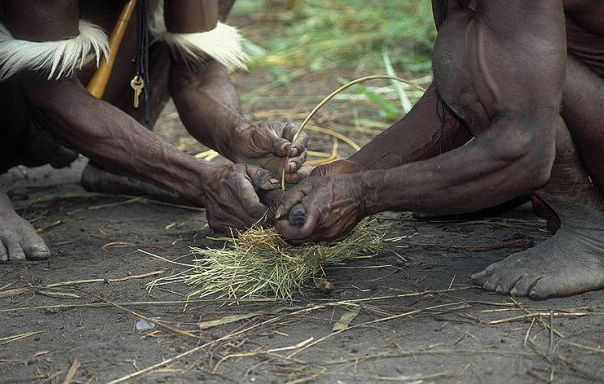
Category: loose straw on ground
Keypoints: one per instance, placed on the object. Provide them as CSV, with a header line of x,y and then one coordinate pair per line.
x,y
332,95
259,263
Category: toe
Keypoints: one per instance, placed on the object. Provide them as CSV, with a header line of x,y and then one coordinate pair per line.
x,y
37,252
546,287
508,281
14,250
482,276
34,246
524,285
490,284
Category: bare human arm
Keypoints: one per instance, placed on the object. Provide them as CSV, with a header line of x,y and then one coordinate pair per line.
x,y
208,103
115,140
519,89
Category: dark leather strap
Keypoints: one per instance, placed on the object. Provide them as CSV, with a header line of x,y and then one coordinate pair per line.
x,y
141,57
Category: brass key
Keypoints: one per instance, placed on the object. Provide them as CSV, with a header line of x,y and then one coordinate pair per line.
x,y
137,83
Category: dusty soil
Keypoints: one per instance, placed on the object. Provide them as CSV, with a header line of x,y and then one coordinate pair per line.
x,y
419,321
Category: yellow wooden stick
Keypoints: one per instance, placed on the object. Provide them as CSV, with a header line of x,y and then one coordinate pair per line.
x,y
98,83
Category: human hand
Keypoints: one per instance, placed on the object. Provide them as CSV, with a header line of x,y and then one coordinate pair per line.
x,y
230,196
333,206
269,145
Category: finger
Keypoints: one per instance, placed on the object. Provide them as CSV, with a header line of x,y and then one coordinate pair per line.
x,y
297,215
226,224
299,145
294,163
296,232
291,198
289,132
304,172
15,252
320,170
271,198
272,142
261,178
258,211
249,200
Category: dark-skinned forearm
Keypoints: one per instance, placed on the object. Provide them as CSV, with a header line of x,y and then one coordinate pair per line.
x,y
420,135
112,138
207,103
498,165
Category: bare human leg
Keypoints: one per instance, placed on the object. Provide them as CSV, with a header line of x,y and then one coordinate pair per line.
x,y
572,260
18,239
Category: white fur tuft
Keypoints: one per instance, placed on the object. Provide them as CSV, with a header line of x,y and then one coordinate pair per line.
x,y
222,43
57,58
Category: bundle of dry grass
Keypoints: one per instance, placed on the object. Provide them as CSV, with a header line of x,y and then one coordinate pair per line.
x,y
259,263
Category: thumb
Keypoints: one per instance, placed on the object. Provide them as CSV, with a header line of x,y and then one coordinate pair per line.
x,y
261,178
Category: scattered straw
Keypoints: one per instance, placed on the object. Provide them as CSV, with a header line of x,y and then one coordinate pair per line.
x,y
71,373
10,339
259,263
26,290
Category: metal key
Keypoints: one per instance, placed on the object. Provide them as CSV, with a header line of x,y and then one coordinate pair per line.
x,y
137,83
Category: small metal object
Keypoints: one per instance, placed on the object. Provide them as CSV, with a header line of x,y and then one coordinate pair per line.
x,y
137,83
297,215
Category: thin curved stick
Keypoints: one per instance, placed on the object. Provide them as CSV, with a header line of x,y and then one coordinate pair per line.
x,y
331,96
335,134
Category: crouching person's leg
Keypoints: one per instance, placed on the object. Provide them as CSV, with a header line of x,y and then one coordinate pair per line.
x,y
18,239
572,260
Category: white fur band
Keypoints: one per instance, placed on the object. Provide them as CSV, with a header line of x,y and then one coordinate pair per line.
x,y
56,58
222,43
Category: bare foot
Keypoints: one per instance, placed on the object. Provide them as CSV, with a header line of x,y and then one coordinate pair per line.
x,y
572,260
18,239
568,263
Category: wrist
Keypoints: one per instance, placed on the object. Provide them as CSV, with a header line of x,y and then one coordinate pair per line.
x,y
192,180
228,139
372,186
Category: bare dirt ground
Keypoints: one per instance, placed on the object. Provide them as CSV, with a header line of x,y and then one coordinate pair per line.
x,y
419,319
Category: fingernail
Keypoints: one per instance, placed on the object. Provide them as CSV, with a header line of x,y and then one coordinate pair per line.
x,y
292,166
272,180
278,213
293,152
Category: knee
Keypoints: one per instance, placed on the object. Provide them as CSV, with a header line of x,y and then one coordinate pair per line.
x,y
527,147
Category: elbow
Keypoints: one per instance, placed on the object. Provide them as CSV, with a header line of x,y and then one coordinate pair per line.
x,y
528,160
536,168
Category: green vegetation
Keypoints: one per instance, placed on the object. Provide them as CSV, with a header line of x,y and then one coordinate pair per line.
x,y
327,34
